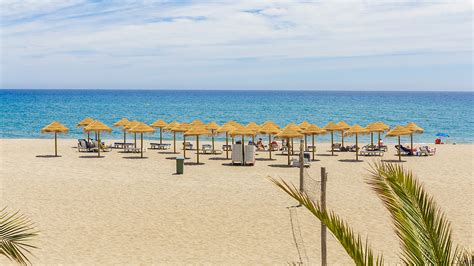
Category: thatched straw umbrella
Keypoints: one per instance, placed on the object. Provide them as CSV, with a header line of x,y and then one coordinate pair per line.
x,y
183,127
253,126
242,131
97,127
212,127
226,128
289,133
292,126
55,127
399,131
303,125
375,127
331,127
357,130
197,122
128,126
269,122
269,130
122,123
196,131
169,128
415,129
313,130
141,128
85,122
344,126
160,124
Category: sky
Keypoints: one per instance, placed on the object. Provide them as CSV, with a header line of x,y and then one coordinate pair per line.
x,y
264,45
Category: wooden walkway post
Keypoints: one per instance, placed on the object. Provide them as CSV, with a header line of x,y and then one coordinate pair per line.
x,y
324,176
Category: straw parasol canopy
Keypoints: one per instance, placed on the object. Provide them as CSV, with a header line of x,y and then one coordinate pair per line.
x,y
415,129
56,128
269,130
292,126
97,126
197,122
226,128
269,122
122,123
171,125
357,130
141,128
160,124
232,123
303,125
289,133
212,126
85,122
312,130
399,131
255,127
344,127
243,131
375,127
181,128
331,127
196,131
130,125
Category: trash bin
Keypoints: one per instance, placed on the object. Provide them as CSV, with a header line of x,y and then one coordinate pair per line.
x,y
179,165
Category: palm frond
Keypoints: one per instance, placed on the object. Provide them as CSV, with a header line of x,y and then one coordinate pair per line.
x,y
464,258
423,229
16,232
352,243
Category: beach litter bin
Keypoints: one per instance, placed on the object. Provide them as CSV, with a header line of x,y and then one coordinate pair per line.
x,y
179,165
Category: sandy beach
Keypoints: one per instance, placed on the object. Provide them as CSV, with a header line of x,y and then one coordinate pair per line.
x,y
122,210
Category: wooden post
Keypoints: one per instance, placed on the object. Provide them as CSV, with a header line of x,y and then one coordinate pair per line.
x,y
161,135
270,145
357,148
227,145
243,150
55,144
371,138
332,143
314,147
141,145
305,142
174,141
379,140
124,138
411,140
135,143
288,149
184,146
342,136
212,136
324,177
98,143
292,150
197,144
399,150
302,165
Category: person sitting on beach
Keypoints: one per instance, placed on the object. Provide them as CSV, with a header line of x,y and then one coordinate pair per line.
x,y
260,145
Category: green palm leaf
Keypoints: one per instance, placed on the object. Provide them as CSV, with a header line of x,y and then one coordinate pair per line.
x,y
352,243
16,231
423,229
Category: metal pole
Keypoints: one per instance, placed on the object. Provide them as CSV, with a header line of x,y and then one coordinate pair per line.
x,y
371,138
124,138
301,165
135,143
212,136
324,177
399,150
342,136
411,140
243,150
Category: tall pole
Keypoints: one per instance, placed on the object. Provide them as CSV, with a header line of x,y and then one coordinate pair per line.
x,y
174,141
292,150
124,138
197,143
227,145
342,136
332,143
399,150
324,177
212,137
371,138
270,145
98,143
161,135
184,146
301,165
55,144
379,139
357,148
243,150
411,140
314,147
141,145
135,143
305,142
288,149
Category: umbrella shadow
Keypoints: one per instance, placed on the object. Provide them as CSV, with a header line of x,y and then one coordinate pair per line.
x,y
351,161
393,161
134,157
193,163
237,165
47,156
326,155
91,157
219,159
167,152
264,159
280,165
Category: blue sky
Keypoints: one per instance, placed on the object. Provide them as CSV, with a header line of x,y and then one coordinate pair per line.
x,y
275,44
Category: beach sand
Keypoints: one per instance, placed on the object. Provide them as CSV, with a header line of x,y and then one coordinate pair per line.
x,y
119,209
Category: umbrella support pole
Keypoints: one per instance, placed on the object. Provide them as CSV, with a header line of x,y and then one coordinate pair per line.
x,y
342,140
174,141
379,139
270,145
332,143
124,138
357,148
371,139
135,143
161,135
288,150
98,141
141,146
313,148
305,143
243,150
292,150
55,144
399,150
184,146
212,136
227,145
411,142
197,150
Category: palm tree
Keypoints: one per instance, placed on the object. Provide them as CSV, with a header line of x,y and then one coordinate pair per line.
x,y
16,231
422,228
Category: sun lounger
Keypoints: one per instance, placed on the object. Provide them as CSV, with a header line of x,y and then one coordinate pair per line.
x,y
306,161
274,146
206,148
427,151
403,150
188,145
133,149
83,146
336,147
226,147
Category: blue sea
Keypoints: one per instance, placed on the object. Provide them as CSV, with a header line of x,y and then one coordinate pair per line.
x,y
25,112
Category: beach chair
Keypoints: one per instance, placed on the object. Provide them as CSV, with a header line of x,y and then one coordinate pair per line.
x,y
337,147
82,146
274,146
188,145
206,148
102,146
306,161
226,147
426,151
155,146
403,150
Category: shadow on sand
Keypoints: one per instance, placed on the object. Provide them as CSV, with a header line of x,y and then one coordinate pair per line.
x,y
193,163
280,165
351,161
134,157
47,156
393,161
91,157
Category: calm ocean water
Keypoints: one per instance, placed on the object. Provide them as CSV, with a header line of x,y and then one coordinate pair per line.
x,y
25,112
